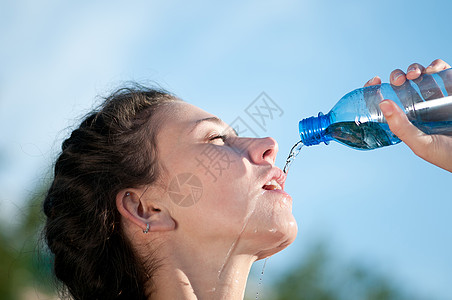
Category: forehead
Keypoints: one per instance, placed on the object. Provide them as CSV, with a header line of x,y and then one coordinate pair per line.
x,y
176,120
174,138
182,115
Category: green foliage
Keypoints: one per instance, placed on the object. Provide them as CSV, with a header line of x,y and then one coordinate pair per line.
x,y
24,264
319,277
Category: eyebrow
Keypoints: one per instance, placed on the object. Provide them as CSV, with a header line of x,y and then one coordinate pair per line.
x,y
214,120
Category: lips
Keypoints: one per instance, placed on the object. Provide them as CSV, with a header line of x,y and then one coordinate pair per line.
x,y
274,180
272,185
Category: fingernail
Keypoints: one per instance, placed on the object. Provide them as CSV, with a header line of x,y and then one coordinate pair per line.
x,y
397,76
386,108
411,69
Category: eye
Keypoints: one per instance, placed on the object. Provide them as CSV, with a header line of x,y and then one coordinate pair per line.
x,y
218,138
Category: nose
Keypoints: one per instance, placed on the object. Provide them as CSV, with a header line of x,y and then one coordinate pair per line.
x,y
263,150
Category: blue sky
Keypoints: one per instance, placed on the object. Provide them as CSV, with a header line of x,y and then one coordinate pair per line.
x,y
385,207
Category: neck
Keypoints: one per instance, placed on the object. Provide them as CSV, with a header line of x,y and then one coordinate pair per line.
x,y
201,273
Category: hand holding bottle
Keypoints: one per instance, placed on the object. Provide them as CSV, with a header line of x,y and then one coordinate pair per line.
x,y
436,149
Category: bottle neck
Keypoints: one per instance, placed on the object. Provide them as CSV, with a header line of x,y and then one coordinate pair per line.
x,y
312,130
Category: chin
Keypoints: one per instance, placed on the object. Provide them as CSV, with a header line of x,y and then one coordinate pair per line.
x,y
277,238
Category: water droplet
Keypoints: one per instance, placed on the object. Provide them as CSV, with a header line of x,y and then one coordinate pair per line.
x,y
260,278
293,153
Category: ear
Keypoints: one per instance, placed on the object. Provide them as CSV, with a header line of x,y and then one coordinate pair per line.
x,y
142,211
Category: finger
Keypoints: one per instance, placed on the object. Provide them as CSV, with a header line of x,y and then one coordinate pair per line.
x,y
414,71
427,85
435,149
446,76
403,128
436,66
397,77
374,81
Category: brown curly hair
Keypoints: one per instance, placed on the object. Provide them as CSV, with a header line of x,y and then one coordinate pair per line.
x,y
114,148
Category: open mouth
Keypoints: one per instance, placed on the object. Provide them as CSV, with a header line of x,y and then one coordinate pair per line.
x,y
272,185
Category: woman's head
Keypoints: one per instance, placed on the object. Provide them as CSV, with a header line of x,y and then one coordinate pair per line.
x,y
113,148
215,185
147,158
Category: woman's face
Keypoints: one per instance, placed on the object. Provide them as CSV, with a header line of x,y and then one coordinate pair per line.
x,y
223,186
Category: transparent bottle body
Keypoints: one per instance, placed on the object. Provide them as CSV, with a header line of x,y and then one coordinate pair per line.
x,y
357,121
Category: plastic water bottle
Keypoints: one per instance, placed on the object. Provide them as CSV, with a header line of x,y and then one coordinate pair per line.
x,y
357,121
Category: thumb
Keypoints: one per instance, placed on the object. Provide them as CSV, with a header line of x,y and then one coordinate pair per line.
x,y
403,128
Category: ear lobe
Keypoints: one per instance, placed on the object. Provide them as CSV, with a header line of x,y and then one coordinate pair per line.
x,y
141,211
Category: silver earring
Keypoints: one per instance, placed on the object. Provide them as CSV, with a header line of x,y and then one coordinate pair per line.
x,y
147,228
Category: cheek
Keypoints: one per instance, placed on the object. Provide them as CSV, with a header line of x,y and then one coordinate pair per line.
x,y
227,180
227,187
229,202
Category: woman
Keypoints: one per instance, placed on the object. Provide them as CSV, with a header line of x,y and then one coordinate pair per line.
x,y
132,213
156,198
